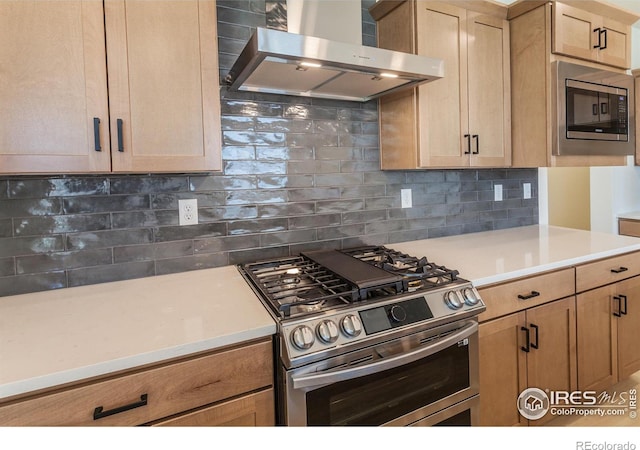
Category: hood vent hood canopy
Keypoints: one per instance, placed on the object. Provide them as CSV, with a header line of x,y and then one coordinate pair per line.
x,y
279,62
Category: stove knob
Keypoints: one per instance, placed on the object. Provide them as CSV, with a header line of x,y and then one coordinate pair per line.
x,y
327,331
351,325
470,297
302,337
453,300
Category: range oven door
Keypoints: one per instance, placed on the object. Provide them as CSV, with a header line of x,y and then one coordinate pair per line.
x,y
398,382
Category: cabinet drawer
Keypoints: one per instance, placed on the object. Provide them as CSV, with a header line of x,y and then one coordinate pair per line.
x,y
253,410
524,293
169,389
629,227
605,271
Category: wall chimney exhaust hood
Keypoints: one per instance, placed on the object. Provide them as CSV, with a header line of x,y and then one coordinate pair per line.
x,y
280,62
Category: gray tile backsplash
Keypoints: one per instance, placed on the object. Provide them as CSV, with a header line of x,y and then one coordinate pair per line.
x,y
298,174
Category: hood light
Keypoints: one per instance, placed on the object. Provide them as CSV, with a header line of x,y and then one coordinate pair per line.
x,y
388,75
310,64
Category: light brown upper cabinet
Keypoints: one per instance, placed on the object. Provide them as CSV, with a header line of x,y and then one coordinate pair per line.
x,y
463,119
586,35
591,33
124,86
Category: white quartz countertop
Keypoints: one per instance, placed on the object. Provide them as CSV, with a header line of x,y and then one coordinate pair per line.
x,y
633,215
55,337
495,256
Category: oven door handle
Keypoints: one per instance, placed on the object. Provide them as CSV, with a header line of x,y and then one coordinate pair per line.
x,y
329,377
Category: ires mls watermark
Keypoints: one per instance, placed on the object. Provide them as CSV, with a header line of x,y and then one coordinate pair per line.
x,y
534,403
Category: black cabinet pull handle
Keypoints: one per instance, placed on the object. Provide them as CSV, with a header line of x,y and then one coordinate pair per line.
x,y
98,413
527,347
623,310
96,134
527,297
468,138
605,39
619,270
618,313
477,138
594,109
599,31
120,138
604,108
535,327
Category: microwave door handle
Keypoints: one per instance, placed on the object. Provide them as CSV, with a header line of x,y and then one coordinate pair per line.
x,y
330,377
594,109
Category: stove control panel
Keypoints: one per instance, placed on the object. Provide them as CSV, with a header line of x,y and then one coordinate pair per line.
x,y
342,327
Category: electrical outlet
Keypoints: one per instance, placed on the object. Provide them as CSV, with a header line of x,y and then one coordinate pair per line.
x,y
188,211
526,188
497,193
405,198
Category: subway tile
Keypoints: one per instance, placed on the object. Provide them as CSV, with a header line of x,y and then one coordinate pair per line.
x,y
144,219
30,207
227,213
238,32
255,167
226,243
287,237
359,166
385,226
23,284
57,187
464,218
339,206
257,226
358,140
222,183
338,179
477,227
19,246
250,108
291,181
369,239
192,262
424,176
331,244
338,153
253,138
248,256
226,12
341,231
178,233
314,221
170,201
63,260
228,43
230,152
78,205
296,195
313,167
359,115
259,196
285,153
283,125
110,238
303,111
385,177
4,189
286,209
152,252
362,191
31,226
409,235
333,127
363,216
147,185
112,272
445,231
311,140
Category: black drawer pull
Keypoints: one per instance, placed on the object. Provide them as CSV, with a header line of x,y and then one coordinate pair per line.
x,y
620,270
535,327
468,138
98,413
527,297
527,339
477,139
623,309
120,137
96,134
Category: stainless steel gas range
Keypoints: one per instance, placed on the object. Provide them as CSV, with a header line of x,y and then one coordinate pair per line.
x,y
371,336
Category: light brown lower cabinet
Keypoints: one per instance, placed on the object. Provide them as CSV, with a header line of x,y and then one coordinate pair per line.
x,y
253,410
531,348
223,387
608,334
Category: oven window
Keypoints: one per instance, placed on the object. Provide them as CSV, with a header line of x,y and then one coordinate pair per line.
x,y
592,111
381,397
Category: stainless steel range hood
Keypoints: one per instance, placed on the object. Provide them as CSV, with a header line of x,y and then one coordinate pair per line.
x,y
280,62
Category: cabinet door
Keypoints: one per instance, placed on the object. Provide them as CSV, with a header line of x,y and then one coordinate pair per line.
x,y
597,342
163,85
618,44
503,374
53,83
628,327
573,32
254,410
443,104
489,87
552,365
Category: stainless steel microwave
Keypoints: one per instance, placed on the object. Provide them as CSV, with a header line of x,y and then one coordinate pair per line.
x,y
594,113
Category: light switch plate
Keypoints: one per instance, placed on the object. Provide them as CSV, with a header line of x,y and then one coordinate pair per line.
x,y
497,193
405,197
526,188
